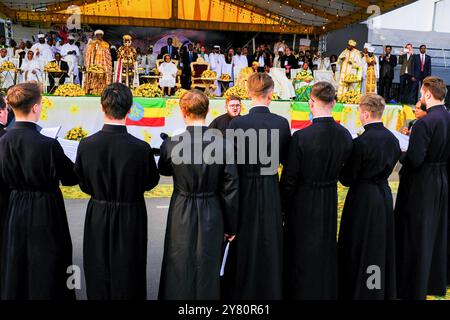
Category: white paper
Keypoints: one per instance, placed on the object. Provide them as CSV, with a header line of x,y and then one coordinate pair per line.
x,y
70,148
403,140
224,260
51,132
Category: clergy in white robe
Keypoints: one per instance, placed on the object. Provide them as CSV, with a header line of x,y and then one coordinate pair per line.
x,y
71,53
31,68
240,62
42,51
168,71
216,60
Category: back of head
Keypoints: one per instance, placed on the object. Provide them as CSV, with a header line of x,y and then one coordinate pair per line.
x,y
22,97
194,104
260,85
324,92
436,86
374,104
116,101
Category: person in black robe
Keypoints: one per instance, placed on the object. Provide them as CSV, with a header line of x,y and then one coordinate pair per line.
x,y
366,234
233,107
203,207
421,207
4,193
255,266
4,111
115,169
309,187
37,245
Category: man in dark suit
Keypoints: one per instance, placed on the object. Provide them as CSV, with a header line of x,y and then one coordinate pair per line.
x,y
289,61
388,62
406,84
169,49
64,67
421,68
188,57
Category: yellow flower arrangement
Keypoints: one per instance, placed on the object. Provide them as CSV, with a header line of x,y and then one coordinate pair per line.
x,y
52,66
237,91
225,77
208,74
180,92
350,97
7,66
351,78
69,90
304,76
76,134
148,90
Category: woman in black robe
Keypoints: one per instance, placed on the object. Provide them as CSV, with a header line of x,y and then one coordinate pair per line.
x,y
366,235
37,245
203,207
116,169
421,212
309,183
255,266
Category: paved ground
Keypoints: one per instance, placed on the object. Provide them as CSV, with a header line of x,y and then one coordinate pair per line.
x,y
157,216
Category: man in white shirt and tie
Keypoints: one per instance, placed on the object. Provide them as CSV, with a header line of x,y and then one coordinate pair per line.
x,y
406,82
421,69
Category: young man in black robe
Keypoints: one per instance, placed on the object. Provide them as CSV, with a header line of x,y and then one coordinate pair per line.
x,y
309,188
37,244
4,193
421,207
203,207
115,169
366,246
233,107
255,268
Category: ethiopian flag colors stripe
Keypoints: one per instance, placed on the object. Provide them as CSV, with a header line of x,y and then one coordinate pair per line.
x,y
301,114
147,113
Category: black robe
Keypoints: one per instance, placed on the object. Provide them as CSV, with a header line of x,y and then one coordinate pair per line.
x,y
115,169
255,265
203,206
366,235
4,196
309,183
37,244
421,209
221,123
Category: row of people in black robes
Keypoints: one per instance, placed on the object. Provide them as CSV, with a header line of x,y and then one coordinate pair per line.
x,y
213,203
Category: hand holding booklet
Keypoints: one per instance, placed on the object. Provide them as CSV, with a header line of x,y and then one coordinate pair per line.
x,y
70,148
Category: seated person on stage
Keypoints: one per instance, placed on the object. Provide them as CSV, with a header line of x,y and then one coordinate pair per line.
x,y
31,69
420,111
233,107
168,71
64,67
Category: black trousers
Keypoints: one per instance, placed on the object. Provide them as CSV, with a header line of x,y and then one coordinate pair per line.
x,y
51,80
385,88
407,89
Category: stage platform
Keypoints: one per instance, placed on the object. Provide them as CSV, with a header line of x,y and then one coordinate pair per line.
x,y
151,116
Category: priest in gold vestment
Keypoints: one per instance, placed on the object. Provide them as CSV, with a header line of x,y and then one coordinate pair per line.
x,y
97,54
350,63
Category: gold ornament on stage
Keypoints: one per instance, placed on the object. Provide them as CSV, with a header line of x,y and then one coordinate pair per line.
x,y
127,54
95,68
148,90
69,90
180,92
350,97
52,66
76,134
7,66
237,91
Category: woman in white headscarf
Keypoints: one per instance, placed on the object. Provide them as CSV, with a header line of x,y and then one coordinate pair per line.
x,y
30,69
168,71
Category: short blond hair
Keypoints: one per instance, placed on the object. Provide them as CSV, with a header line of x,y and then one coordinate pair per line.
x,y
374,104
195,104
260,84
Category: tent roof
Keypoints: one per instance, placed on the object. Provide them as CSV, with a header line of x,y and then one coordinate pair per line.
x,y
280,16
